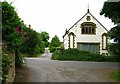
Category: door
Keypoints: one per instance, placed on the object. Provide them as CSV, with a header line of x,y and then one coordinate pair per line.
x,y
90,47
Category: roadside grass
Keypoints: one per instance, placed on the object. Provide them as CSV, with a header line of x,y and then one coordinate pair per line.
x,y
115,75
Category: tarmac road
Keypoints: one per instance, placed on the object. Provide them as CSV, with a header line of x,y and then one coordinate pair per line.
x,y
43,69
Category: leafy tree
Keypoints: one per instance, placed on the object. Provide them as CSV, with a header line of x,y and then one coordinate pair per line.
x,y
12,27
33,43
112,11
55,42
45,37
16,35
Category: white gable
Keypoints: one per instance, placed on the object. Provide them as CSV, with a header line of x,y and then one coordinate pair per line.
x,y
77,30
85,38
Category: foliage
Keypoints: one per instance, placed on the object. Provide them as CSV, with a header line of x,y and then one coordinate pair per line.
x,y
52,49
77,55
112,11
18,59
55,42
10,21
114,48
16,35
33,44
5,65
114,33
12,27
45,37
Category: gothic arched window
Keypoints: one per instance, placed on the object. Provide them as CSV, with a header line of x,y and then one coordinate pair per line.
x,y
104,41
71,40
88,28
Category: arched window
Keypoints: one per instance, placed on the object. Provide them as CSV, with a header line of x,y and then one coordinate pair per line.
x,y
88,28
71,40
104,41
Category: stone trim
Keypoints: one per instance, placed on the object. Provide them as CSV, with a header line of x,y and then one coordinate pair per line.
x,y
104,34
71,33
88,28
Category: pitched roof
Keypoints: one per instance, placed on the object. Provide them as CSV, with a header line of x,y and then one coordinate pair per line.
x,y
82,18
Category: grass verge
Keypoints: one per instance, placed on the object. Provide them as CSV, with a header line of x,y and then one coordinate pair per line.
x,y
115,75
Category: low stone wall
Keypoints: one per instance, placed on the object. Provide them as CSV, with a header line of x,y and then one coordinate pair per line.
x,y
11,72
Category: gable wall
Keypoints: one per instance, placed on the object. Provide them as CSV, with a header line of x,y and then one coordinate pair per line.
x,y
88,38
85,38
65,41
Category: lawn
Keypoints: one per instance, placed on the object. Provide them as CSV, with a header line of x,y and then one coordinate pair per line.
x,y
115,75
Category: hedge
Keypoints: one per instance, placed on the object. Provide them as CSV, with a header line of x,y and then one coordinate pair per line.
x,y
77,55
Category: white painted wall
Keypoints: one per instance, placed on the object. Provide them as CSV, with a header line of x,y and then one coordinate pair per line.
x,y
71,41
65,42
97,38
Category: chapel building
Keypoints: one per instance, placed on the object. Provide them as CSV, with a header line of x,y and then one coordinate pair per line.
x,y
87,34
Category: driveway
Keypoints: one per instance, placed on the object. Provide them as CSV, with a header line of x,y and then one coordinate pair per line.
x,y
43,69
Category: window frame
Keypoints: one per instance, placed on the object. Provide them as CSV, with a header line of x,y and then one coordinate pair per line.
x,y
104,46
87,28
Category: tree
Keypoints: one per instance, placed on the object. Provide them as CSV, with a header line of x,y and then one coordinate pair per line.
x,y
112,11
16,35
45,37
12,27
55,42
33,43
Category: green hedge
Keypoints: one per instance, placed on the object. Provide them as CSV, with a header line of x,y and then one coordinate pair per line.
x,y
77,55
52,49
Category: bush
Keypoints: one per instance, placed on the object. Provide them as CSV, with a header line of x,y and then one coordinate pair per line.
x,y
18,59
77,55
52,49
112,58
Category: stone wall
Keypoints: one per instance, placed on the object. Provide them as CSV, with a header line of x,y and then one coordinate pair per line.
x,y
11,72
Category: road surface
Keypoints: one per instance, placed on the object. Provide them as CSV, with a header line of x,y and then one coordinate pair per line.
x,y
43,69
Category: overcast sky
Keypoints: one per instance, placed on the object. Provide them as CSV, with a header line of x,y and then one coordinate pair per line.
x,y
54,16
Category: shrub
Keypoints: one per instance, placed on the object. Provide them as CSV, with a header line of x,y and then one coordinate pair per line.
x,y
52,49
18,59
77,55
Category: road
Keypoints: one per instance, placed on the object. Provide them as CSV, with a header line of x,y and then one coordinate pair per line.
x,y
43,69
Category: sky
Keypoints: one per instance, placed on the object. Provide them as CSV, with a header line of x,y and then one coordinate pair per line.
x,y
54,16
